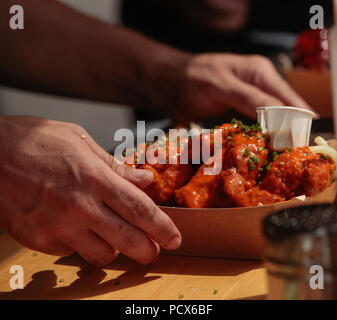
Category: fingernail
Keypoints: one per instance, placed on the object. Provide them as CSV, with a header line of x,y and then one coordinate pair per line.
x,y
174,243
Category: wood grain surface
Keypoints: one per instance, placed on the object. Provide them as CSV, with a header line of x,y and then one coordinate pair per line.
x,y
171,277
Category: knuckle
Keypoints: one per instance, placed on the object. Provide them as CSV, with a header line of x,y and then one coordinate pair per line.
x,y
76,128
128,243
261,61
93,174
143,211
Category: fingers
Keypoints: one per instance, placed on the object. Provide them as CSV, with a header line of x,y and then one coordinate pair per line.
x,y
126,238
246,98
93,248
271,82
140,178
138,209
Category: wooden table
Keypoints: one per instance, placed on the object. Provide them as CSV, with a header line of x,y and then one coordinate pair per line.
x,y
171,277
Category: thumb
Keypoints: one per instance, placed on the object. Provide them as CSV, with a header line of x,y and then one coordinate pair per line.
x,y
139,177
246,98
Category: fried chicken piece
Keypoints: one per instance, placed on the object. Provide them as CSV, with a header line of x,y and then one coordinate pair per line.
x,y
206,140
317,175
298,172
200,192
247,153
243,154
166,179
168,174
233,184
256,197
135,156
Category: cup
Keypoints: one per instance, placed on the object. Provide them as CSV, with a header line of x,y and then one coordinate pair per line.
x,y
285,126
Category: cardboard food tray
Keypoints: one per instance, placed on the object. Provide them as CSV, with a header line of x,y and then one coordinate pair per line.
x,y
231,232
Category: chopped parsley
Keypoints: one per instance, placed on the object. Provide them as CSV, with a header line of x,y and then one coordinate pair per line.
x,y
282,163
260,149
323,157
252,167
234,122
246,153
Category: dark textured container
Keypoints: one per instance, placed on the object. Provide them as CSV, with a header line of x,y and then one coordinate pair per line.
x,y
297,241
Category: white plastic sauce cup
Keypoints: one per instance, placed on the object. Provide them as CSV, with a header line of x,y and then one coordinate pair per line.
x,y
285,126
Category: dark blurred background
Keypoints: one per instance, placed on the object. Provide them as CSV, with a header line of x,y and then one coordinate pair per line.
x,y
270,27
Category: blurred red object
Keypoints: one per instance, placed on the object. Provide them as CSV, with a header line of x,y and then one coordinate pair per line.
x,y
312,50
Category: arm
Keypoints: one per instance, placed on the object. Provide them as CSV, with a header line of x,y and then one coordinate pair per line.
x,y
62,51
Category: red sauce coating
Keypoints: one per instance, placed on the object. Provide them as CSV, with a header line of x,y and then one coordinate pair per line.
x,y
244,179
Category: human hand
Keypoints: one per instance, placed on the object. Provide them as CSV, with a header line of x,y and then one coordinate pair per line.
x,y
60,192
211,84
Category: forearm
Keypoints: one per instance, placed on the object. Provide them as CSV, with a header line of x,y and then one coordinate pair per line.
x,y
64,52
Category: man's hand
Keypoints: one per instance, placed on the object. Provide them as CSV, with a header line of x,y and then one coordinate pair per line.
x,y
211,84
60,193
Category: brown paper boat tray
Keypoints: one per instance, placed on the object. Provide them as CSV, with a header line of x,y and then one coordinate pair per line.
x,y
231,232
